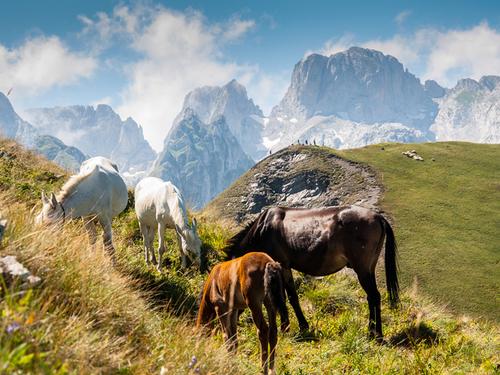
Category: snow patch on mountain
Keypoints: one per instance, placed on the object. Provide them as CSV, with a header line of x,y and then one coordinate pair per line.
x,y
470,112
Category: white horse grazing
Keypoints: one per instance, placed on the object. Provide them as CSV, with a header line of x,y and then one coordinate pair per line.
x,y
159,205
97,193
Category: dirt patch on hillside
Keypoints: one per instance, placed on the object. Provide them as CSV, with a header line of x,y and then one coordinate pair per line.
x,y
298,176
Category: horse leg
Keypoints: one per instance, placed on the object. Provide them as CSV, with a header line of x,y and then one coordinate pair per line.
x,y
183,256
369,284
91,230
233,328
108,237
145,238
294,298
223,316
161,243
262,330
273,334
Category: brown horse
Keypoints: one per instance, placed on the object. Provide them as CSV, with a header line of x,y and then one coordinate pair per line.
x,y
322,241
250,280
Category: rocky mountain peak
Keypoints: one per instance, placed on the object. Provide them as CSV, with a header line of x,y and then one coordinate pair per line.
x,y
232,102
360,85
433,89
491,82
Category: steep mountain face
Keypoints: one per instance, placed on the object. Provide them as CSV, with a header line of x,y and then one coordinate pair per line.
x,y
470,112
54,149
351,99
202,159
360,85
97,132
14,127
242,116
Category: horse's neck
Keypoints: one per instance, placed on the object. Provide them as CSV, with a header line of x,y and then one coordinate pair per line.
x,y
178,213
74,206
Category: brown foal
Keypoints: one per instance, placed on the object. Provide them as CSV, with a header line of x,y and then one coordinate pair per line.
x,y
249,281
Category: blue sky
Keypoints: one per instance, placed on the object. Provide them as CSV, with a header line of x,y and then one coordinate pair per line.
x,y
142,57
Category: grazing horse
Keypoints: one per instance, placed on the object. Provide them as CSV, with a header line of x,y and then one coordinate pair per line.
x,y
159,205
96,193
322,241
249,281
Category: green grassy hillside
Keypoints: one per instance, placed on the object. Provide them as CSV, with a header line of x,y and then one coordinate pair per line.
x,y
446,212
88,317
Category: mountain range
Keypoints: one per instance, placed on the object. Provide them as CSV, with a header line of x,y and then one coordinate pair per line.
x,y
349,99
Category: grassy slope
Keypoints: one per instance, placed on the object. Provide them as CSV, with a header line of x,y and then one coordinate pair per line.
x,y
447,218
90,318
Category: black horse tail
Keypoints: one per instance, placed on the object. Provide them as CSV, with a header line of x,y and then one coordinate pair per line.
x,y
391,265
275,290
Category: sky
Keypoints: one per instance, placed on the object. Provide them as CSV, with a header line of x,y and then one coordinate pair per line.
x,y
143,57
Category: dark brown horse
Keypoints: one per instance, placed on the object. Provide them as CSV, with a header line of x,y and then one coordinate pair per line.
x,y
322,241
251,280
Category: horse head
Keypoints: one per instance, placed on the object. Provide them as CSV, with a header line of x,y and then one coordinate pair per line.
x,y
190,241
52,211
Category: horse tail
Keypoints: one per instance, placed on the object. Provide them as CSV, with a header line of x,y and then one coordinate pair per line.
x,y
391,265
206,313
275,290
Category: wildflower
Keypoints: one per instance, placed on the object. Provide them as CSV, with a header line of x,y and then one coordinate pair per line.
x,y
193,362
12,327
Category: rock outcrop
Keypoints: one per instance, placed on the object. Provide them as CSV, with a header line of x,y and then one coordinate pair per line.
x,y
298,176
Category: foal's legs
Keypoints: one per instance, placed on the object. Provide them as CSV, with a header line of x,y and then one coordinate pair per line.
x,y
273,334
161,243
294,298
369,284
233,329
225,322
262,330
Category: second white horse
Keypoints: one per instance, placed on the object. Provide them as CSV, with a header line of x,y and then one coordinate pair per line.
x,y
159,206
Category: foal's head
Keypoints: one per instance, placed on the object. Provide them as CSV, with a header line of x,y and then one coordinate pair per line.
x,y
52,211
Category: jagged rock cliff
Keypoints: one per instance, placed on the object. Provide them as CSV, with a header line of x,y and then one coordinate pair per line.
x,y
202,159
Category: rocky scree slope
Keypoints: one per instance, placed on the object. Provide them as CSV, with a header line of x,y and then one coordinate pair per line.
x,y
298,176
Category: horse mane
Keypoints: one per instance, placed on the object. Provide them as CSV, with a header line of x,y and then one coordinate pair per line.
x,y
70,186
236,245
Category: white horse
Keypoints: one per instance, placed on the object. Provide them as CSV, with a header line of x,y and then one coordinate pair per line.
x,y
159,205
96,193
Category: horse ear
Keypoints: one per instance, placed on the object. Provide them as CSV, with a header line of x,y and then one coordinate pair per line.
x,y
53,200
179,231
195,223
44,198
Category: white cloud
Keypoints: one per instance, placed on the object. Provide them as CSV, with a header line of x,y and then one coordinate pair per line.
x,y
333,46
40,64
178,52
402,16
443,55
464,53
